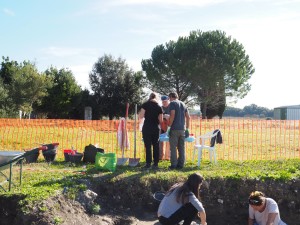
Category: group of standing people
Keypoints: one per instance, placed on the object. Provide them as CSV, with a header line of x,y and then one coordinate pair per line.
x,y
172,118
182,203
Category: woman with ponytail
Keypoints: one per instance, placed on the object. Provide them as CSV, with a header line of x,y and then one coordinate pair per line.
x,y
152,114
182,202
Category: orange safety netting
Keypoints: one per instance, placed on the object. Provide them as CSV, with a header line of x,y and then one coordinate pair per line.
x,y
243,139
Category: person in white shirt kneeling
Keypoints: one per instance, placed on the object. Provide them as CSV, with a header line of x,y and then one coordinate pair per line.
x,y
263,210
182,202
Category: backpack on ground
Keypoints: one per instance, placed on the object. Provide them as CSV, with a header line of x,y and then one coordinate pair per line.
x,y
90,152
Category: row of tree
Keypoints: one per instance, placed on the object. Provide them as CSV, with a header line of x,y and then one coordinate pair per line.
x,y
204,69
55,94
250,110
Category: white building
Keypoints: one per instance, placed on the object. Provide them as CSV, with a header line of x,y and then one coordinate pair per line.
x,y
291,112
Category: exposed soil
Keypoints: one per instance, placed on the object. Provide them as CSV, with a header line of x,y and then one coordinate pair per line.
x,y
130,202
60,210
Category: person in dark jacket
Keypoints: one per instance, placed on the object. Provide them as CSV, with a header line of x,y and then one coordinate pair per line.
x,y
216,139
153,115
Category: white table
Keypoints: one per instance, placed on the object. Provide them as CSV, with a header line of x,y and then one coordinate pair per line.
x,y
165,138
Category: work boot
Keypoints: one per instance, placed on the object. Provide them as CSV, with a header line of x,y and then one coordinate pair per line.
x,y
155,166
172,167
178,167
147,166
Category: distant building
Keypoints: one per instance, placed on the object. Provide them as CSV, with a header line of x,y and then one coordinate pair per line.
x,y
291,112
88,113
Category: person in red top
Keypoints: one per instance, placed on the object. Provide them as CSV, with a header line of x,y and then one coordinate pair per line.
x,y
164,147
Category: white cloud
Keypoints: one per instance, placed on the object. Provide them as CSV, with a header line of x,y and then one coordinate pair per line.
x,y
8,12
134,64
81,74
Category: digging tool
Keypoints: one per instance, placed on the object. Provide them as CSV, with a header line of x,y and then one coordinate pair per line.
x,y
134,161
124,142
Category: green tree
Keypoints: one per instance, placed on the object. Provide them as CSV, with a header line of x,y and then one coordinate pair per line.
x,y
7,105
114,85
257,110
205,66
63,95
86,99
8,70
232,111
223,68
28,87
3,98
168,69
25,85
249,110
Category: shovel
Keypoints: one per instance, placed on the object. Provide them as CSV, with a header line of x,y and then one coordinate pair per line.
x,y
122,161
134,161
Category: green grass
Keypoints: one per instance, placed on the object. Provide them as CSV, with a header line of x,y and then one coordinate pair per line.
x,y
58,220
41,180
252,169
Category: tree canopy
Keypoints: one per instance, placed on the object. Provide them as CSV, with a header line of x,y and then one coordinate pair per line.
x,y
205,68
114,85
25,85
63,94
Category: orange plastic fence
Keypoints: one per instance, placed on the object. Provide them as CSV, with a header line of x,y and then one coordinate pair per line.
x,y
243,139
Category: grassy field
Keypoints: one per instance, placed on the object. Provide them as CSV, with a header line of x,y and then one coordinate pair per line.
x,y
243,139
41,180
252,150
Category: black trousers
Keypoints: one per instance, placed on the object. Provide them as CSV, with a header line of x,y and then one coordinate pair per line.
x,y
186,213
151,138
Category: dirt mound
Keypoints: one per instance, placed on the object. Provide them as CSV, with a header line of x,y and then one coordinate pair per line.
x,y
60,210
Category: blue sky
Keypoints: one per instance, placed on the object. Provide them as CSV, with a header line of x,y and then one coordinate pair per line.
x,y
75,33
